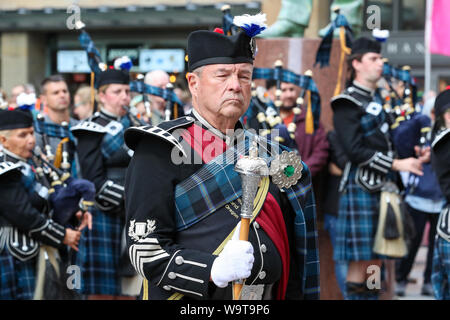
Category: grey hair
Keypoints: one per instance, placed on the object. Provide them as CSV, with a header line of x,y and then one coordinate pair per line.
x,y
5,133
198,71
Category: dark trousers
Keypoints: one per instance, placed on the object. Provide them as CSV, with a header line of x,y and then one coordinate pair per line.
x,y
404,265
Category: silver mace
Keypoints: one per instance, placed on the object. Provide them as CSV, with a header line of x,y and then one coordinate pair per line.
x,y
251,169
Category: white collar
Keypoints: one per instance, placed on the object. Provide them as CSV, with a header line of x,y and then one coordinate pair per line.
x,y
360,86
13,155
227,138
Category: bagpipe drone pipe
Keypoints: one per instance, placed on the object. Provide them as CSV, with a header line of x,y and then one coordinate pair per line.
x,y
67,195
408,127
174,106
308,101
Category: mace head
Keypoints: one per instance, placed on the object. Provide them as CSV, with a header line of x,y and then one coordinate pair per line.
x,y
252,164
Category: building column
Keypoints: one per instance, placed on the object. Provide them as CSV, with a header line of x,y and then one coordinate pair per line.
x,y
22,59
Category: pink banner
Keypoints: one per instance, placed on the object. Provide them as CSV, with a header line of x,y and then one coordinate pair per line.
x,y
440,34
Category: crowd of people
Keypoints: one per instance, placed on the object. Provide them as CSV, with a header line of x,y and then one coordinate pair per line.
x,y
95,184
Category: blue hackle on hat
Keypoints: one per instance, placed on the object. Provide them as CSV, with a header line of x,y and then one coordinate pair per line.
x,y
123,63
26,101
252,25
380,35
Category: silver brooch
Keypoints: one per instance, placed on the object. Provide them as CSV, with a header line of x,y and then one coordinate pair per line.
x,y
286,169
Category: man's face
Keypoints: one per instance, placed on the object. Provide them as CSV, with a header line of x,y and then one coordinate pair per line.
x,y
56,96
20,142
289,94
370,67
115,98
222,90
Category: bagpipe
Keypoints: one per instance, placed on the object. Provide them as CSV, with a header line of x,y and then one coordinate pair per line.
x,y
61,159
174,106
308,99
345,38
229,28
67,195
408,127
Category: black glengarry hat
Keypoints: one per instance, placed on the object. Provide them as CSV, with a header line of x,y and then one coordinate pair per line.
x,y
208,47
15,119
111,76
365,45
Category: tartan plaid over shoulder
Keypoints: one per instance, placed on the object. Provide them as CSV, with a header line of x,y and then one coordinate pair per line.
x,y
216,184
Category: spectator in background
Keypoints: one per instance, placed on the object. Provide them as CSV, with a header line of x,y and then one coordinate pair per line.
x,y
428,103
15,91
160,79
3,99
54,128
82,103
424,201
186,98
29,88
313,148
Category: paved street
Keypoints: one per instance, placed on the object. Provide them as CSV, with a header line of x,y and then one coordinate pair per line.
x,y
413,289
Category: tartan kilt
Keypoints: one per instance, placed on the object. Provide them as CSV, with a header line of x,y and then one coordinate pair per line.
x,y
357,223
99,254
440,277
17,278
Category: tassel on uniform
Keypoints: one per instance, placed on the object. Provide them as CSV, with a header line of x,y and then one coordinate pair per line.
x,y
92,89
344,51
58,153
309,124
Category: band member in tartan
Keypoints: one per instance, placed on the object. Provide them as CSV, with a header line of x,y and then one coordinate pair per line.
x,y
52,126
360,125
312,147
184,196
24,220
103,160
441,159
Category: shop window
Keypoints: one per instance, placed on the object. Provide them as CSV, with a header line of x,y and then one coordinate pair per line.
x,y
412,15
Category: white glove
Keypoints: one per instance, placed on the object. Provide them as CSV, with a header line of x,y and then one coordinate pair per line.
x,y
235,262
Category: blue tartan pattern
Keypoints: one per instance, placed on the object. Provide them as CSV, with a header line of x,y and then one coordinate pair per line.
x,y
200,195
53,130
357,223
227,24
440,277
93,54
99,254
323,54
189,205
302,81
370,123
141,87
17,278
112,143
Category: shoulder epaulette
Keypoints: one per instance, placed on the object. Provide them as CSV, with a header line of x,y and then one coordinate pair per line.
x,y
440,138
162,131
8,166
345,96
89,126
